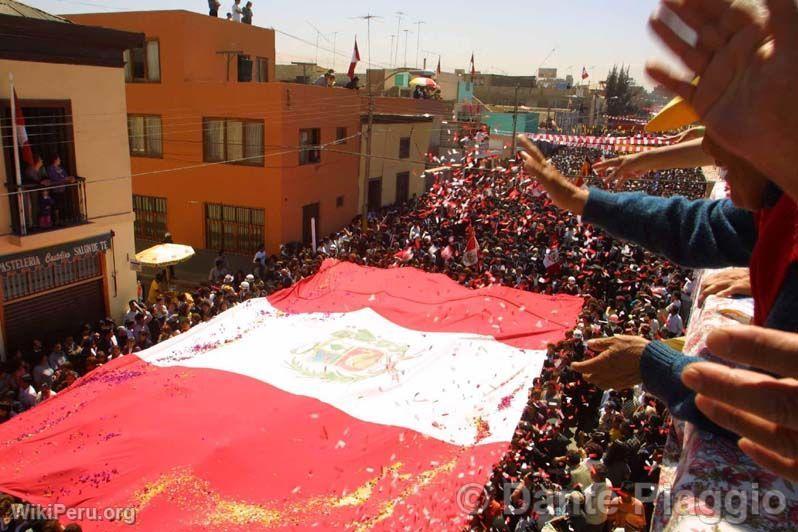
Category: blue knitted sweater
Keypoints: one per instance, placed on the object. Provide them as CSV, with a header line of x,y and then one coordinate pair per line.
x,y
693,234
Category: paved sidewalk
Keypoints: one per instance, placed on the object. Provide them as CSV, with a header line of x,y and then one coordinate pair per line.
x,y
194,271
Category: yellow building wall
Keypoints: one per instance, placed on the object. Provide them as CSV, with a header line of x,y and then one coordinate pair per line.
x,y
99,127
385,161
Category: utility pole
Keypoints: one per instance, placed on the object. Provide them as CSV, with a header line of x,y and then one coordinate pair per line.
x,y
399,15
407,33
515,123
390,59
364,208
418,41
319,34
335,39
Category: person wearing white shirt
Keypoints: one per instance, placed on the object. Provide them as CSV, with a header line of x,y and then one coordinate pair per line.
x,y
28,396
237,11
675,325
134,309
597,499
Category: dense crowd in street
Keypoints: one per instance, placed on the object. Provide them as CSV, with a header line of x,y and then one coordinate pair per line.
x,y
589,445
522,242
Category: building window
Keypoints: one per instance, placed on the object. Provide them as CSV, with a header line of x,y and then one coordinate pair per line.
x,y
339,201
234,229
233,141
150,221
145,137
262,69
309,142
244,68
404,148
340,135
143,64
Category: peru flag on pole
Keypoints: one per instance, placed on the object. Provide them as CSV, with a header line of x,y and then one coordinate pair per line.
x,y
473,65
22,133
359,398
471,255
355,61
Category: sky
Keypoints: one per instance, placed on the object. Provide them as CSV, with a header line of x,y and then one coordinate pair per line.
x,y
513,37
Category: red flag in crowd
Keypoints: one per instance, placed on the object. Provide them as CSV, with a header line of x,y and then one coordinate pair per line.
x,y
405,255
339,391
471,255
22,133
447,253
473,65
438,70
355,61
585,75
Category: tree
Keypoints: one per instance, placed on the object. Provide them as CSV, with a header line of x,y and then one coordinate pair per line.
x,y
620,92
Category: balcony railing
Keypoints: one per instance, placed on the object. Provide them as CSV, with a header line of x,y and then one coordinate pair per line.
x,y
66,208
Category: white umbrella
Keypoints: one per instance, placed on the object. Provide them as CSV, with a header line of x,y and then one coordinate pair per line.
x,y
424,82
164,255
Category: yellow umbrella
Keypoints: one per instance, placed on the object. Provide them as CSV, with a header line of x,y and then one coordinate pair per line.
x,y
677,114
164,255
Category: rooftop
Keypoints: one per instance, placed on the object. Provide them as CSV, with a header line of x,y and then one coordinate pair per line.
x,y
17,9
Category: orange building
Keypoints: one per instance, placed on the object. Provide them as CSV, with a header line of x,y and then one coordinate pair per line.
x,y
222,156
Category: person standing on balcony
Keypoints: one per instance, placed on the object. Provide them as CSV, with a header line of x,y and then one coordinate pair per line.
x,y
35,174
237,11
58,177
46,205
247,14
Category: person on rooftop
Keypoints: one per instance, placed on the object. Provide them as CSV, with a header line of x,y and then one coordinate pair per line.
x,y
246,14
236,11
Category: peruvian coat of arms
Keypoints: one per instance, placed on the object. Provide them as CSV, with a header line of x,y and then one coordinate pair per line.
x,y
349,355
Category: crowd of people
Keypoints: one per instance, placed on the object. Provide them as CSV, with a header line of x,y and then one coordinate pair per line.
x,y
522,242
237,13
485,225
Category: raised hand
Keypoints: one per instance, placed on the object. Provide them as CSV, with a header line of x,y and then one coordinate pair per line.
x,y
761,408
562,192
619,168
747,70
617,366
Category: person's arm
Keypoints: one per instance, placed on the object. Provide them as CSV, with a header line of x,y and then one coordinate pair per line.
x,y
688,154
693,234
661,369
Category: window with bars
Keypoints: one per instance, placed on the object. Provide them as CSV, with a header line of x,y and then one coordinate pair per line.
x,y
309,142
233,141
50,276
143,65
261,70
340,135
404,148
145,134
234,229
150,221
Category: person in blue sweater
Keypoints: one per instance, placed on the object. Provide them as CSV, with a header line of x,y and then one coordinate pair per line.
x,y
748,230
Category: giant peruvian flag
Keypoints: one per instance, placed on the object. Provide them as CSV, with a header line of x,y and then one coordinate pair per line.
x,y
358,399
